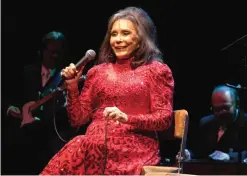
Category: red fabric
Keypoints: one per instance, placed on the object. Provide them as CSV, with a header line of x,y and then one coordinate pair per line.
x,y
145,94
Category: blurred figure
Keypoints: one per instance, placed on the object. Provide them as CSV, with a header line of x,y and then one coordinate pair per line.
x,y
222,134
32,140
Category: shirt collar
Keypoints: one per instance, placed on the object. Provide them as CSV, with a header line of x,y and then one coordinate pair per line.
x,y
45,70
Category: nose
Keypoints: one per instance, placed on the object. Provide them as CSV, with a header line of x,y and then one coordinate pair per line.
x,y
221,112
119,39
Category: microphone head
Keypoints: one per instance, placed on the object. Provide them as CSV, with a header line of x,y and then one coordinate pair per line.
x,y
90,54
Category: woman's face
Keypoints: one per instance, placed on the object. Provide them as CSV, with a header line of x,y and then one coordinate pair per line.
x,y
124,39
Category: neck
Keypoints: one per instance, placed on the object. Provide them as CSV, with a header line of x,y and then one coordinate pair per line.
x,y
123,64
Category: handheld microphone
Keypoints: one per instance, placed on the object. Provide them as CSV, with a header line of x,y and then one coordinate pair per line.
x,y
90,55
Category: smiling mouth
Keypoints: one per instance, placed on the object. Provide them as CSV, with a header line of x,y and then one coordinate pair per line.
x,y
121,47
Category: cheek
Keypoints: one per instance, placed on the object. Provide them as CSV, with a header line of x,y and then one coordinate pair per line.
x,y
112,45
111,41
134,41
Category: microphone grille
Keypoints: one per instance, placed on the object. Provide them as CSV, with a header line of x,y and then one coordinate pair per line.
x,y
91,53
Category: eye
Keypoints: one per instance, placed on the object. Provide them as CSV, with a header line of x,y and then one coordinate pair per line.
x,y
126,32
114,34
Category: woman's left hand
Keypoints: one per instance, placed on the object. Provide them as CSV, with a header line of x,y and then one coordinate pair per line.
x,y
115,114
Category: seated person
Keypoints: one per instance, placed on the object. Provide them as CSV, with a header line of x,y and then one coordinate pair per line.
x,y
222,134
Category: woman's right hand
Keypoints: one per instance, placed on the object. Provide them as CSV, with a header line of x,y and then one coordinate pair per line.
x,y
71,75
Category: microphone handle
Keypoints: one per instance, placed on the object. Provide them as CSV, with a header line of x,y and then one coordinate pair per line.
x,y
82,63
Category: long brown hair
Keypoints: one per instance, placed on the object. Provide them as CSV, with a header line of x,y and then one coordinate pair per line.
x,y
146,30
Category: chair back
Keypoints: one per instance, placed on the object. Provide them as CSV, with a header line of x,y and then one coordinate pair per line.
x,y
178,130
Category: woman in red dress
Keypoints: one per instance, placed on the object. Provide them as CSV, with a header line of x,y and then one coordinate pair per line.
x,y
127,98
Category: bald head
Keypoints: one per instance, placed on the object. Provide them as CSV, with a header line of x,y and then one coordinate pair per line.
x,y
225,92
224,103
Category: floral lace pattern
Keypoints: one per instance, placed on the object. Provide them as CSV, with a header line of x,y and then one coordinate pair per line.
x,y
145,94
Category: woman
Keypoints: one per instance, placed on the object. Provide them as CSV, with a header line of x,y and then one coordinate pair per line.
x,y
127,97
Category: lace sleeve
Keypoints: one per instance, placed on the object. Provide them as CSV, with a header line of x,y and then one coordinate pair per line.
x,y
78,106
161,97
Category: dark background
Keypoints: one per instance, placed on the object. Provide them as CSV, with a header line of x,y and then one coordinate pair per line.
x,y
190,35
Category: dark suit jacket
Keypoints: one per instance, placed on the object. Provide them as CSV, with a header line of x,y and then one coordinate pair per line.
x,y
234,138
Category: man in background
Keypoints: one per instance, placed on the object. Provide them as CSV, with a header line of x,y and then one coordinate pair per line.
x,y
31,138
222,134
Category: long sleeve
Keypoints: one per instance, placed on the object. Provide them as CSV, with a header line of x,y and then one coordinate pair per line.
x,y
161,97
79,105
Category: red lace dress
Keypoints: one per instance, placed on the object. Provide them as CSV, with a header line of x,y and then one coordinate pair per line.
x,y
145,94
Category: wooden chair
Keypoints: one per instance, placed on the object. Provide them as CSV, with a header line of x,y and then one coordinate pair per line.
x,y
178,130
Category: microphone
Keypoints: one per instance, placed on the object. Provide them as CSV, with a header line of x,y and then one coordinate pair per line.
x,y
90,55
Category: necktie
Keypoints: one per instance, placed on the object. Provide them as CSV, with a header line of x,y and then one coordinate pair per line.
x,y
220,133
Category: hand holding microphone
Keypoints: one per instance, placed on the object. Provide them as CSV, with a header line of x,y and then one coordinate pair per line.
x,y
72,73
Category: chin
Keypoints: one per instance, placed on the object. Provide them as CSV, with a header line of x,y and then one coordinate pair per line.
x,y
123,56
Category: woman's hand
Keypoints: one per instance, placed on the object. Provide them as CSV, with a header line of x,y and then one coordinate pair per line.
x,y
115,114
71,75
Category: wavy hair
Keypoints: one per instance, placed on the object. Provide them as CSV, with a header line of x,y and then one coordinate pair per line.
x,y
146,31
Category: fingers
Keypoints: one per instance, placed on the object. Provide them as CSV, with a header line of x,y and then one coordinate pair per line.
x,y
115,114
16,115
112,114
213,154
73,67
187,154
16,110
186,151
245,161
69,72
218,155
109,110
